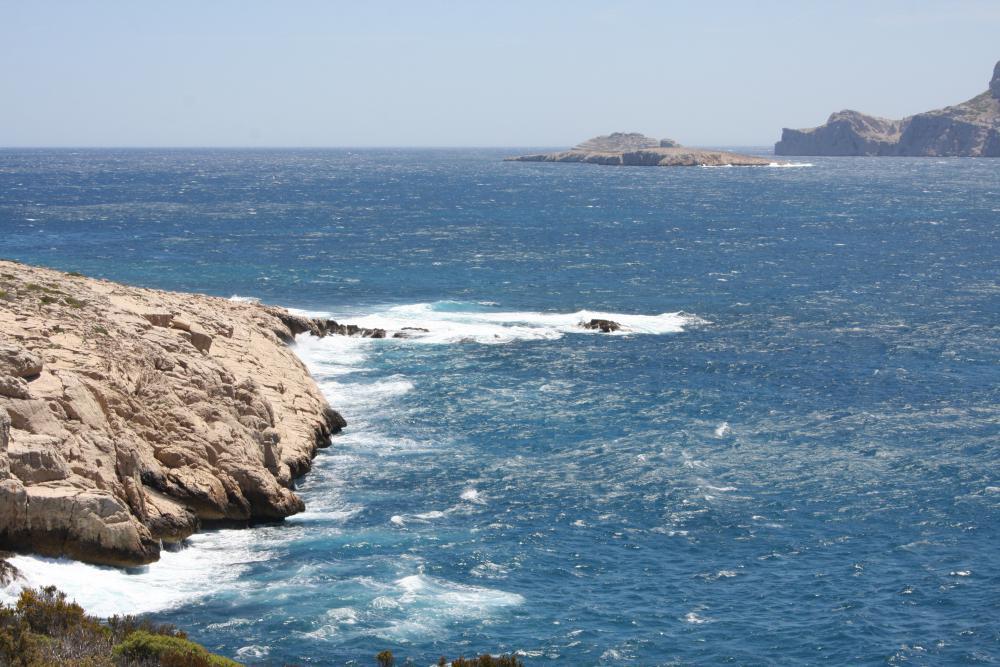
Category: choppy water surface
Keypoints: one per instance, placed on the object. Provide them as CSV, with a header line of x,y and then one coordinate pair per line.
x,y
791,458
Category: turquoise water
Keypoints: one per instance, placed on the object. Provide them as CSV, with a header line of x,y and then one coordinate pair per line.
x,y
789,458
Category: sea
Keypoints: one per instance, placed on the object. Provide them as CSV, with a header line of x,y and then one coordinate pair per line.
x,y
788,455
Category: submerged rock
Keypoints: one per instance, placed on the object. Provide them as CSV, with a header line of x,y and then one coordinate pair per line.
x,y
970,129
333,327
606,326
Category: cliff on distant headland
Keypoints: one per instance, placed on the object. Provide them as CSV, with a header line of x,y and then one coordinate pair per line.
x,y
970,129
128,416
634,149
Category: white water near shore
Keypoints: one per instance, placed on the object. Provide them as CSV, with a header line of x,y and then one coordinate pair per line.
x,y
213,561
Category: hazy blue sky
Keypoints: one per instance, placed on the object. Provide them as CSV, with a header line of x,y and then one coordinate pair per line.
x,y
498,73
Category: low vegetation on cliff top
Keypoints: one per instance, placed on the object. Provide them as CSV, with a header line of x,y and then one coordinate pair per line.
x,y
44,629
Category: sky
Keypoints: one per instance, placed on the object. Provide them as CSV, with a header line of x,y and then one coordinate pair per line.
x,y
474,73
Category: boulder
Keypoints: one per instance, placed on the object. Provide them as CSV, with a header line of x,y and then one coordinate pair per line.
x,y
606,326
19,362
201,340
8,574
333,327
13,387
159,319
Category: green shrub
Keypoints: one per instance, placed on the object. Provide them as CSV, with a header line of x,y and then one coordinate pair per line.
x,y
45,629
74,303
142,646
48,300
122,626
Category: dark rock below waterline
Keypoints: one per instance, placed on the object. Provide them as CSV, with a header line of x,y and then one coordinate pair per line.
x,y
605,326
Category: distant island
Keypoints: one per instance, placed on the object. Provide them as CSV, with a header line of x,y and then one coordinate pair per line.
x,y
969,129
632,149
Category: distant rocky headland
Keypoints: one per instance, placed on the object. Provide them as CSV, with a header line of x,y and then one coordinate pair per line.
x,y
130,416
634,149
969,129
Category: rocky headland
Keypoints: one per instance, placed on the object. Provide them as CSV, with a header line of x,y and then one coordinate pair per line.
x,y
632,149
129,417
969,129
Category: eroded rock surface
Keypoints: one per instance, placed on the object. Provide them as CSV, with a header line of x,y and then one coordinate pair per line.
x,y
969,129
129,416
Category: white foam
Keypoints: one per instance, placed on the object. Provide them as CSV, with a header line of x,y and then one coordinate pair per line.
x,y
472,495
692,617
452,322
722,430
213,562
452,599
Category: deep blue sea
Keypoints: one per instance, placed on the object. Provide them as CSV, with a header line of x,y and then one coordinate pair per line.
x,y
790,457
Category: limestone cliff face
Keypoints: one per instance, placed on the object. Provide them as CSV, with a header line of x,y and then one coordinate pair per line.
x,y
632,149
970,129
128,416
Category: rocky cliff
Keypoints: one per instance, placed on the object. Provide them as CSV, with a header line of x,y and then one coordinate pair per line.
x,y
130,416
970,129
637,150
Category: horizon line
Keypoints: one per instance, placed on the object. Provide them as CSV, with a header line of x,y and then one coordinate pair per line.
x,y
333,147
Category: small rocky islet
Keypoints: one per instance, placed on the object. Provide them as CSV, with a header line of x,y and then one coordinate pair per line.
x,y
632,149
969,129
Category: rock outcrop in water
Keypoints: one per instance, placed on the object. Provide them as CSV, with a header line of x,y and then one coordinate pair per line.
x,y
604,326
969,129
130,416
632,149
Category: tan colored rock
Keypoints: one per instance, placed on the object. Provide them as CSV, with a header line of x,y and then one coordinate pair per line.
x,y
36,458
201,340
13,387
183,325
159,319
17,361
127,434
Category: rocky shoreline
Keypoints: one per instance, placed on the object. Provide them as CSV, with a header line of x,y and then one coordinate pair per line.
x,y
130,417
